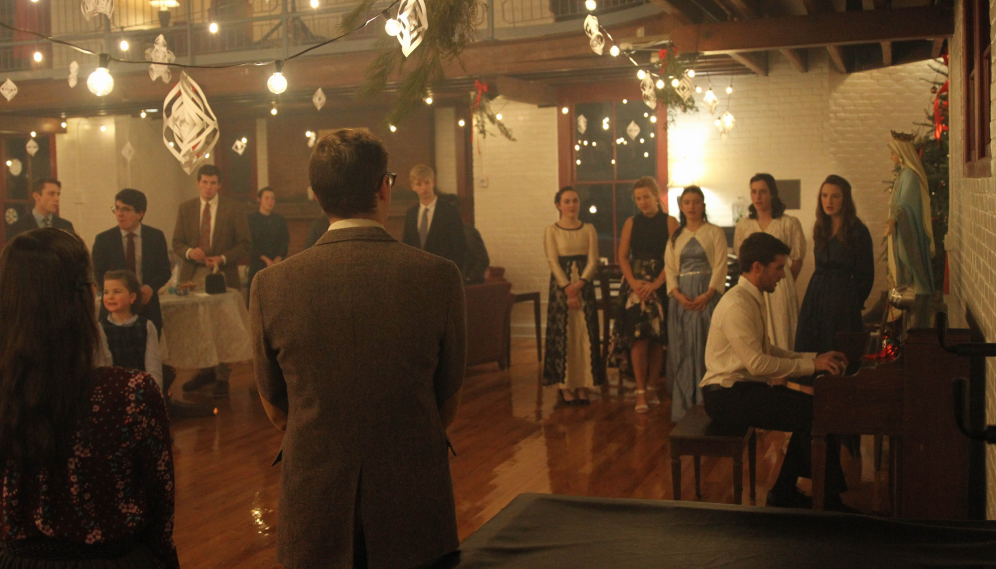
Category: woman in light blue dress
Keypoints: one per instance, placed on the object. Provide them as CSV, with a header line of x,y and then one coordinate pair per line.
x,y
695,263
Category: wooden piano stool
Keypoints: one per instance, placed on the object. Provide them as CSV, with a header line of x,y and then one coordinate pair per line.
x,y
696,435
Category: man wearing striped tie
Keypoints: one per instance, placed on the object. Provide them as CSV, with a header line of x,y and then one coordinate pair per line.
x,y
434,225
45,192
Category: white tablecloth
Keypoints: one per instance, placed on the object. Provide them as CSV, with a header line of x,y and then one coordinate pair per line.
x,y
202,330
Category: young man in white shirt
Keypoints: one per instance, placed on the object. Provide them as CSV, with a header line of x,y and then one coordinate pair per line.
x,y
745,380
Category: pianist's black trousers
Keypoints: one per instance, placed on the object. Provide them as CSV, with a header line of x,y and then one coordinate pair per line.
x,y
777,409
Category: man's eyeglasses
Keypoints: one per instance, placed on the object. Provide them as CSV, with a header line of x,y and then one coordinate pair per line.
x,y
124,209
390,178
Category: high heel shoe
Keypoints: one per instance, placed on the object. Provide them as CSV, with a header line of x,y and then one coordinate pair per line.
x,y
642,407
579,400
566,401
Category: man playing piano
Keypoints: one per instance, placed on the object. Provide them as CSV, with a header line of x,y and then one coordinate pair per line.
x,y
745,380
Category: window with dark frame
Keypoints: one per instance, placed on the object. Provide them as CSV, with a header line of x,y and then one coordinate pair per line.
x,y
978,63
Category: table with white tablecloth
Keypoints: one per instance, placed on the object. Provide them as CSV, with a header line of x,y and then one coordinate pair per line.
x,y
201,330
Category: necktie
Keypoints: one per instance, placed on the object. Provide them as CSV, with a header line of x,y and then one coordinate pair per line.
x,y
423,227
47,221
130,263
205,243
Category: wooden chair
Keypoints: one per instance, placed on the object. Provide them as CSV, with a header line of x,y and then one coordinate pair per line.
x,y
697,435
609,279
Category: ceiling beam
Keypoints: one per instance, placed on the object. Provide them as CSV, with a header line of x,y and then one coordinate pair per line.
x,y
887,53
799,58
756,62
837,58
745,9
817,30
688,15
532,92
29,124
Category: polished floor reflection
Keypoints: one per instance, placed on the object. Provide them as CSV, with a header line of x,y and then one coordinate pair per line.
x,y
509,438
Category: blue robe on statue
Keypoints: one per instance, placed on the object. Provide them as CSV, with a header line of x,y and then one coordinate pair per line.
x,y
911,245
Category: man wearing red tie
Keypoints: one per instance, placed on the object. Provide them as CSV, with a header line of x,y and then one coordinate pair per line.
x,y
211,232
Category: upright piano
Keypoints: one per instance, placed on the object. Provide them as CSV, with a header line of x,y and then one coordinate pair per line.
x,y
934,469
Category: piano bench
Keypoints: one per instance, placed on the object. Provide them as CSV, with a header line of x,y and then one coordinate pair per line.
x,y
697,435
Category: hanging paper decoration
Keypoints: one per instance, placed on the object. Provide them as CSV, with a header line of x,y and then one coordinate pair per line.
x,y
414,22
128,151
582,123
649,91
239,147
591,28
91,8
710,100
15,167
312,139
633,130
725,124
74,69
160,55
685,89
190,128
319,99
8,90
10,216
31,147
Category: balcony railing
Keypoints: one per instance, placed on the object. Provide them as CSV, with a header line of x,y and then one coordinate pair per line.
x,y
246,28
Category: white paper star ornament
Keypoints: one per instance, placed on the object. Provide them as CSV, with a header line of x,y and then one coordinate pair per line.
x,y
8,90
190,128
91,8
160,55
31,147
414,21
319,99
10,216
649,92
312,139
633,130
591,28
239,147
74,69
128,151
15,167
582,123
685,89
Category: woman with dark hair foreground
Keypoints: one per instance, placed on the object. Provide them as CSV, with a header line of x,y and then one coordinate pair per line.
x,y
85,455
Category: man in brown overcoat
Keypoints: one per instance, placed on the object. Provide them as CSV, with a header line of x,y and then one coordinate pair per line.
x,y
360,347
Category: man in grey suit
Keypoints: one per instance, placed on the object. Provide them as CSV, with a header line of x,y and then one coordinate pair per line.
x,y
360,349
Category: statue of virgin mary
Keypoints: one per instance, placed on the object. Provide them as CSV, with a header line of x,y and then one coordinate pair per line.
x,y
909,229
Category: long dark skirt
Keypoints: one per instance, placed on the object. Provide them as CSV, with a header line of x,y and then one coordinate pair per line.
x,y
557,330
138,558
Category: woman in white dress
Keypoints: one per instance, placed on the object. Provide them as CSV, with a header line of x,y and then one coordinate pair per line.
x,y
767,215
573,360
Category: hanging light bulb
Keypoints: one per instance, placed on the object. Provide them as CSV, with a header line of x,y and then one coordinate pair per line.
x,y
213,28
277,83
245,140
660,83
124,45
142,114
63,124
691,73
593,210
273,111
392,27
428,100
675,82
564,110
461,122
590,5
498,116
33,134
641,74
307,134
614,51
103,128
729,90
100,81
38,56
653,118
698,89
314,3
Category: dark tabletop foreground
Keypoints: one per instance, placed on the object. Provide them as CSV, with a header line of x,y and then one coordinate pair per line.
x,y
547,531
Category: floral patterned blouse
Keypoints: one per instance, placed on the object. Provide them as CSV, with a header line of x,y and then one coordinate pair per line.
x,y
118,482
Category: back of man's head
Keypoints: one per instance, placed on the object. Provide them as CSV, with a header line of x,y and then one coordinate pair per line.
x,y
761,248
133,198
346,170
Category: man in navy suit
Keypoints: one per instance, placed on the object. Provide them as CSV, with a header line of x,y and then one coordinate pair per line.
x,y
434,225
136,247
46,193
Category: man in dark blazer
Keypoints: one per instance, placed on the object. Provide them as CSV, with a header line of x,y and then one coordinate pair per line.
x,y
211,232
46,193
359,349
434,225
137,247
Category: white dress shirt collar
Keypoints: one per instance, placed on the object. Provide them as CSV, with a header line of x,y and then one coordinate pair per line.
x,y
137,232
354,222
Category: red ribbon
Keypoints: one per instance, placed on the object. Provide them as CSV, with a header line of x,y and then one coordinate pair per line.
x,y
481,89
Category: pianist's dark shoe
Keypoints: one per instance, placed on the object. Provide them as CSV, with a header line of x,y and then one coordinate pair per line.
x,y
791,498
836,504
221,390
202,379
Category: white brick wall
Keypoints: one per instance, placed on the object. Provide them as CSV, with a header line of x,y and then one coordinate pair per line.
x,y
793,125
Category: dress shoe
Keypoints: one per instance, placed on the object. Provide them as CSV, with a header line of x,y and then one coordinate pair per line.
x,y
202,379
791,498
221,390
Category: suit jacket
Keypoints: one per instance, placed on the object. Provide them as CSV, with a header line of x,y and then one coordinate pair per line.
x,y
361,340
445,239
231,237
109,255
27,222
315,232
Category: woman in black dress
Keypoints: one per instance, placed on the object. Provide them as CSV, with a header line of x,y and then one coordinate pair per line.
x,y
270,236
845,270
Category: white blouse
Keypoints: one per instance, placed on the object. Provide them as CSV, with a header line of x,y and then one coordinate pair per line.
x,y
562,242
713,241
786,228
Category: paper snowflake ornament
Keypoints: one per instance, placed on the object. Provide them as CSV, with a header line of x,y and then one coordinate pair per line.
x,y
239,147
633,130
161,56
10,216
312,139
649,91
591,28
8,90
74,70
582,123
413,21
15,167
685,89
190,128
318,99
128,151
710,101
31,147
725,124
91,8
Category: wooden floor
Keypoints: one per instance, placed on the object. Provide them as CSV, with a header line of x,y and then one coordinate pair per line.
x,y
509,438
